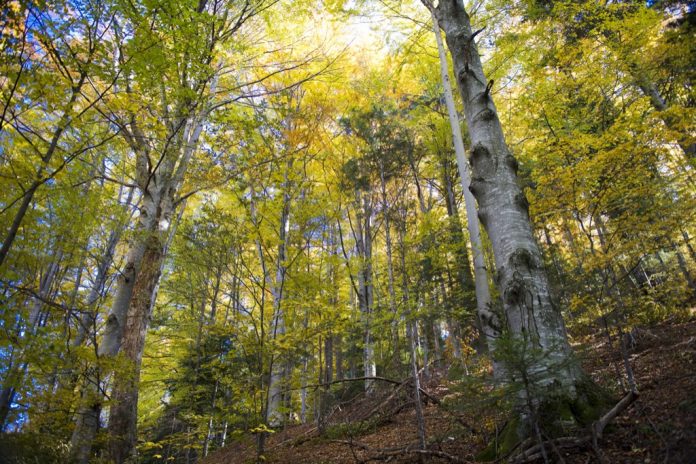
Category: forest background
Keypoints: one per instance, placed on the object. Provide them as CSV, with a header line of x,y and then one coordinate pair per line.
x,y
214,212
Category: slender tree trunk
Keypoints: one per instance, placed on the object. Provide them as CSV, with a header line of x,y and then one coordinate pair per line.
x,y
303,391
17,221
274,417
87,325
687,242
684,268
365,291
483,297
390,265
412,335
209,434
14,377
338,350
650,90
466,297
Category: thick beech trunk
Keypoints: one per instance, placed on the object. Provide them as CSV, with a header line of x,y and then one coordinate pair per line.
x,y
128,320
528,309
87,416
528,314
124,397
550,378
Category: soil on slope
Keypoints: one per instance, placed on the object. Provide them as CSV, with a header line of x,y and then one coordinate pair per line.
x,y
660,427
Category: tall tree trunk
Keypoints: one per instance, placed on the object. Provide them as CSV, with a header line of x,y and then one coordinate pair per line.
x,y
684,268
390,264
87,416
687,242
123,413
275,384
528,314
650,90
412,334
365,291
466,296
483,296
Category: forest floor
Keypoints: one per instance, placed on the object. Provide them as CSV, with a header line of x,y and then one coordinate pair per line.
x,y
659,427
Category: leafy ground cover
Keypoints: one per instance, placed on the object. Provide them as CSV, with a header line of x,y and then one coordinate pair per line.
x,y
657,428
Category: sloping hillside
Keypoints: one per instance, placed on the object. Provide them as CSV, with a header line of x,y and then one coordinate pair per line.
x,y
657,428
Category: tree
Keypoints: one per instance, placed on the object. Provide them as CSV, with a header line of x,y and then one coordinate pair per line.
x,y
528,312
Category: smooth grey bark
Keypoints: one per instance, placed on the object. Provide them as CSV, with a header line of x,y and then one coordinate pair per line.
x,y
88,319
466,297
365,294
483,295
528,313
209,434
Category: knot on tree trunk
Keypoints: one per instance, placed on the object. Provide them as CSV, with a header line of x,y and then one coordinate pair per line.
x,y
483,163
484,115
523,259
518,292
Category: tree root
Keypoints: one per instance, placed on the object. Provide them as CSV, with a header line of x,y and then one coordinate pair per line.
x,y
530,453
